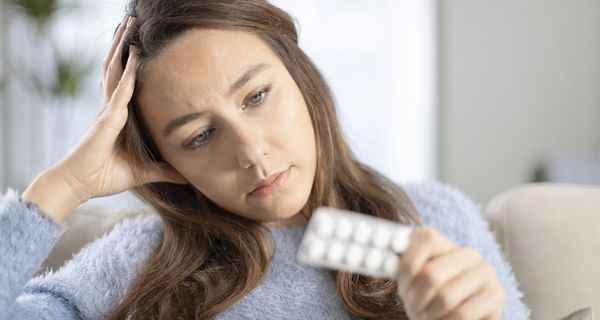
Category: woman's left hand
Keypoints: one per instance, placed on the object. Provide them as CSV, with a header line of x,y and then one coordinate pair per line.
x,y
439,279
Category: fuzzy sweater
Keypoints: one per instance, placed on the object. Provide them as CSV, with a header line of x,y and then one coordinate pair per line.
x,y
98,276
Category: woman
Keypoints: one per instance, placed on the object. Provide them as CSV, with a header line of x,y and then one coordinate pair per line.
x,y
216,118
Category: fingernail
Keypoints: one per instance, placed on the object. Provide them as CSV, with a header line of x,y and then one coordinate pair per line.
x,y
124,18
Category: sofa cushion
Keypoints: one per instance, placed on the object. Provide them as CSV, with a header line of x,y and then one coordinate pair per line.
x,y
549,233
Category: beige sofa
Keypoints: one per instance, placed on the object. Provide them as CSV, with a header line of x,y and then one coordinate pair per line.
x,y
550,234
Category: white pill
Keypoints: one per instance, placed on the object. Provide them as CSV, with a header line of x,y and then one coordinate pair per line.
x,y
344,229
324,225
381,237
390,265
354,255
374,259
400,240
362,232
316,248
335,252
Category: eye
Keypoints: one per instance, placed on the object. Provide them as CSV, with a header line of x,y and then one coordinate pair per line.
x,y
199,140
258,98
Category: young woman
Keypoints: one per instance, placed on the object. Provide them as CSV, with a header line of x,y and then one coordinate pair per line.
x,y
216,118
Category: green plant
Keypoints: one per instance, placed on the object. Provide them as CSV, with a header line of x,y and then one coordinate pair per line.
x,y
69,74
40,11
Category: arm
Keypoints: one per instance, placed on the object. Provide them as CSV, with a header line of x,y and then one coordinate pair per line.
x,y
100,274
26,237
87,286
53,195
457,217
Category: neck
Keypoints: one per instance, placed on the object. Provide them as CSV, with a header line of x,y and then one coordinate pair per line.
x,y
297,220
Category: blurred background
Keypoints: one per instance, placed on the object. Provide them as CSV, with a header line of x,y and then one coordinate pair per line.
x,y
484,95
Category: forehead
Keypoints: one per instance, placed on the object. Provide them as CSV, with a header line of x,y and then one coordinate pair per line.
x,y
206,57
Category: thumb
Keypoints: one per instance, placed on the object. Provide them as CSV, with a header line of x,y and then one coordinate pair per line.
x,y
164,172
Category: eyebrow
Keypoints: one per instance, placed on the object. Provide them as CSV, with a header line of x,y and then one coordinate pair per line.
x,y
241,81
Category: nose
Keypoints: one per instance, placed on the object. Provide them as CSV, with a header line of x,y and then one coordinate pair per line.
x,y
252,146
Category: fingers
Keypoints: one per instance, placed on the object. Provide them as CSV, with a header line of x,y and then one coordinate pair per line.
x,y
112,117
115,44
113,70
124,90
116,57
459,289
486,304
438,278
425,243
437,273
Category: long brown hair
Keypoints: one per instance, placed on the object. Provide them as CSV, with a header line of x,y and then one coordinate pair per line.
x,y
210,258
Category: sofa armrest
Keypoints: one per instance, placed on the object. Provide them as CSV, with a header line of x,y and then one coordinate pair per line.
x,y
550,234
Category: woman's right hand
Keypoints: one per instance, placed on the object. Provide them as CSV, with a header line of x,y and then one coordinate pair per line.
x,y
96,166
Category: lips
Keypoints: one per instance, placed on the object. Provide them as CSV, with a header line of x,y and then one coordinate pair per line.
x,y
268,181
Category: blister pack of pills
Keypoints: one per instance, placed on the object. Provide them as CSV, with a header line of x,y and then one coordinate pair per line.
x,y
350,241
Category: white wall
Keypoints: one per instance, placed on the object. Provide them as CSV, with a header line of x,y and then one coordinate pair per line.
x,y
2,147
379,59
519,81
3,100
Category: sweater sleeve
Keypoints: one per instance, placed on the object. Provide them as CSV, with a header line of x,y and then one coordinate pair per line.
x,y
27,235
459,218
99,276
87,286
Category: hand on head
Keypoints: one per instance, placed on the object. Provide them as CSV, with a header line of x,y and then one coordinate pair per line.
x,y
96,167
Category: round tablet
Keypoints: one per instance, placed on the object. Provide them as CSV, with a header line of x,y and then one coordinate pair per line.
x,y
354,255
316,249
381,236
335,252
324,225
344,229
391,264
400,240
374,259
362,232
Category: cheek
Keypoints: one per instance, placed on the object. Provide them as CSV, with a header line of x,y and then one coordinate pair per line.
x,y
214,184
294,127
303,133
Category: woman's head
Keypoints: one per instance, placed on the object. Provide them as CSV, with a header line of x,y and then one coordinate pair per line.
x,y
223,110
227,98
280,115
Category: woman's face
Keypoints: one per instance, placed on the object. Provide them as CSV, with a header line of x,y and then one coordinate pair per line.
x,y
226,114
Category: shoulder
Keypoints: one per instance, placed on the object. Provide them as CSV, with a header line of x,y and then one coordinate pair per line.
x,y
139,230
130,240
99,275
447,209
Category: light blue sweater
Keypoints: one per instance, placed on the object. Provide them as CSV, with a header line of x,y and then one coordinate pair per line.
x,y
97,277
